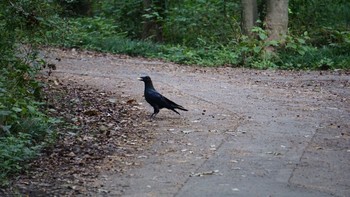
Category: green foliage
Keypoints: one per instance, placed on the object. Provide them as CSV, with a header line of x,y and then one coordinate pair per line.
x,y
126,14
14,152
24,129
311,15
75,7
208,33
83,32
324,58
295,52
189,22
199,56
182,21
298,54
99,34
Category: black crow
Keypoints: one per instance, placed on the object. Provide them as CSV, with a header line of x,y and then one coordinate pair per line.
x,y
157,100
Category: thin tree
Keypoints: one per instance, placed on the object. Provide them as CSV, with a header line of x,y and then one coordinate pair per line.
x,y
249,16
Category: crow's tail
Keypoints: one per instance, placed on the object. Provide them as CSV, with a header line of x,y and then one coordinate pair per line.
x,y
180,107
174,105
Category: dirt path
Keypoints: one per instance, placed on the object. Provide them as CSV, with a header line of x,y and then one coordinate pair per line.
x,y
247,132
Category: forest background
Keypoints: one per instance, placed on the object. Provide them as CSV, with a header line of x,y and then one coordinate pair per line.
x,y
259,34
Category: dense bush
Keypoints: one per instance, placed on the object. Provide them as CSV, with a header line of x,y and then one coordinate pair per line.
x,y
183,22
191,23
126,14
24,129
314,15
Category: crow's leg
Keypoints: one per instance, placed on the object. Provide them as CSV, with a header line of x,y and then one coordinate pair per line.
x,y
156,111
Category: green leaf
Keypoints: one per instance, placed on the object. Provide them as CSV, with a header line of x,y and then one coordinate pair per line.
x,y
5,112
16,109
262,36
301,52
31,109
272,43
301,41
257,49
291,45
6,128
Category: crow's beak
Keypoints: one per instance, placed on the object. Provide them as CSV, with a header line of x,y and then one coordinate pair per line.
x,y
140,79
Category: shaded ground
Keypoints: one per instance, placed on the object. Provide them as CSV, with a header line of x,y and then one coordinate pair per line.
x,y
247,132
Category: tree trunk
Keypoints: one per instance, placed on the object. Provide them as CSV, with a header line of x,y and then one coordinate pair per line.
x,y
249,16
277,19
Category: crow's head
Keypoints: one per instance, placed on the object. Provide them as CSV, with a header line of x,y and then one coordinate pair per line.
x,y
145,79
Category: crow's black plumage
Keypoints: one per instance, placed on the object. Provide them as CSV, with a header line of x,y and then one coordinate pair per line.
x,y
156,100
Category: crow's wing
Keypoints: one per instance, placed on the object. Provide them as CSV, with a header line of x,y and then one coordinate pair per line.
x,y
155,98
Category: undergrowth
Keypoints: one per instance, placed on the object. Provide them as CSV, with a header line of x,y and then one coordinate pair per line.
x,y
24,128
296,52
